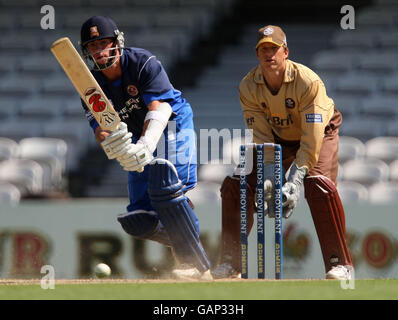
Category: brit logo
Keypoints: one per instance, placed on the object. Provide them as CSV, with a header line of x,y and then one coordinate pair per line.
x,y
313,118
132,90
289,103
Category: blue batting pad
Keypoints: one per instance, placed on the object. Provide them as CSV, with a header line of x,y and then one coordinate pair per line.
x,y
144,225
177,217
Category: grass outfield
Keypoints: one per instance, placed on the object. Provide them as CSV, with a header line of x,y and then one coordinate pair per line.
x,y
378,289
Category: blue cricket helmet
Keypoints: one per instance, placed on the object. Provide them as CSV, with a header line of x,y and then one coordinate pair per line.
x,y
97,28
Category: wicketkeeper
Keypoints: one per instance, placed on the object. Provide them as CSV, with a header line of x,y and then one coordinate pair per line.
x,y
286,103
140,91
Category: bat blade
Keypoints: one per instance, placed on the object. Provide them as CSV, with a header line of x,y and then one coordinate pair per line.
x,y
85,84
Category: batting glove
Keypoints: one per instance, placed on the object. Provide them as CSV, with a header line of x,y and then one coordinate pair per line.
x,y
115,145
291,189
136,157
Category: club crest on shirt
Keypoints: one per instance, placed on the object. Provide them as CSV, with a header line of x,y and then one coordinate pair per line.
x,y
289,103
132,90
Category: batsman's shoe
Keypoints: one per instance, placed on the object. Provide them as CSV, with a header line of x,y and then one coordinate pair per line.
x,y
225,271
340,272
186,272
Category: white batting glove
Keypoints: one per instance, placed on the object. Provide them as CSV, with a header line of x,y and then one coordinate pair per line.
x,y
115,145
291,189
136,157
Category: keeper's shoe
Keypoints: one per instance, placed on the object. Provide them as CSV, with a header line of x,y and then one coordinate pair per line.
x,y
225,271
340,272
191,273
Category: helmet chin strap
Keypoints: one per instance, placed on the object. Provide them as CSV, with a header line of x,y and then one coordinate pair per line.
x,y
111,61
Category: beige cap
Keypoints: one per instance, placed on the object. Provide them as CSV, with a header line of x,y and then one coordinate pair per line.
x,y
272,34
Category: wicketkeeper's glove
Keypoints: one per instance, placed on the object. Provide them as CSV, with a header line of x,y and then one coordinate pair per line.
x,y
291,189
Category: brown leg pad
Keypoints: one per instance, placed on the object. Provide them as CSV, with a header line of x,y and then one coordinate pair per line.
x,y
230,234
329,220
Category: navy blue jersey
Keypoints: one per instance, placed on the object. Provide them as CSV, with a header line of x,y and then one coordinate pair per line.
x,y
143,80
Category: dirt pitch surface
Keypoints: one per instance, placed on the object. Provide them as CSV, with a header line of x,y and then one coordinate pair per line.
x,y
22,282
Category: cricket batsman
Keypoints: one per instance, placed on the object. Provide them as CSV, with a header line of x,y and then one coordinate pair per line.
x,y
285,102
140,91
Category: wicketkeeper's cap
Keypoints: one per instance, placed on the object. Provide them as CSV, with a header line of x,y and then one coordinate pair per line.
x,y
96,28
272,34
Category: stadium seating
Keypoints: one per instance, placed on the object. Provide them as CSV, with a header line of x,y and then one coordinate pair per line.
x,y
366,171
358,84
26,175
350,148
359,68
394,171
378,62
9,149
77,135
9,194
390,84
380,107
50,153
40,109
392,128
389,40
363,129
376,18
352,192
383,193
17,129
334,61
383,148
348,106
357,39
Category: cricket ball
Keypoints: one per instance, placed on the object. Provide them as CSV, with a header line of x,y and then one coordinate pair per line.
x,y
102,270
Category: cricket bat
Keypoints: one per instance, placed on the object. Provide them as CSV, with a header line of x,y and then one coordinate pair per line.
x,y
85,84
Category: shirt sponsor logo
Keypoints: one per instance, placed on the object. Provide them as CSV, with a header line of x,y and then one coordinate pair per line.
x,y
313,118
278,121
